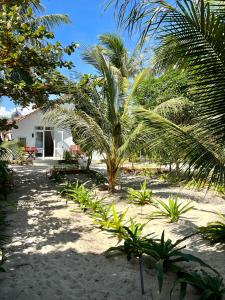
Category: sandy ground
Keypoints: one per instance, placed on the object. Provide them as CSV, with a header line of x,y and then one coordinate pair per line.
x,y
57,253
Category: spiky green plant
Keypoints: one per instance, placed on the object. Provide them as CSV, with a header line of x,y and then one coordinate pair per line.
x,y
142,196
214,231
173,210
78,193
117,222
134,245
210,287
166,254
102,217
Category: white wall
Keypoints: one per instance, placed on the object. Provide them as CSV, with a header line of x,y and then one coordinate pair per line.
x,y
26,129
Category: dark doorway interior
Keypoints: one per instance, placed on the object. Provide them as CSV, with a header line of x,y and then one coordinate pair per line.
x,y
49,145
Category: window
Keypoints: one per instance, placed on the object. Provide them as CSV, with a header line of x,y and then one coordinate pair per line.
x,y
22,141
49,128
39,128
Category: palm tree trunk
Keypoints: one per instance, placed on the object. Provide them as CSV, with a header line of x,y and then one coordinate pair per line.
x,y
112,180
112,171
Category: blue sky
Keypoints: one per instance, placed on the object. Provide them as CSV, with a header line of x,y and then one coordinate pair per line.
x,y
88,21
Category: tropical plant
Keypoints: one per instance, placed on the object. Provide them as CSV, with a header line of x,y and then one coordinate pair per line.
x,y
191,37
210,287
214,231
3,237
116,224
78,193
173,210
142,197
5,179
29,61
101,117
134,245
102,217
67,155
166,254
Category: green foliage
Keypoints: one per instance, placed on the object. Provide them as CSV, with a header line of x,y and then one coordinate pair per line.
x,y
5,179
67,155
78,193
166,254
102,118
142,197
173,210
29,62
134,244
56,176
214,231
156,90
3,237
210,287
116,224
102,216
191,37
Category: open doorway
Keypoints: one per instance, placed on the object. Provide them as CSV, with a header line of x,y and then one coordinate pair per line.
x,y
49,144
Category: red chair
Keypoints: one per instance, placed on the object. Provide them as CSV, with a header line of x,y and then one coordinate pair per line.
x,y
31,151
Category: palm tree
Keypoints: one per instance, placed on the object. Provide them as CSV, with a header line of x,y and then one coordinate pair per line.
x,y
101,117
191,36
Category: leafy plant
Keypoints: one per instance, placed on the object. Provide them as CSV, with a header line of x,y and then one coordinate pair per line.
x,y
211,287
166,254
102,216
142,197
67,155
78,193
214,231
56,176
134,245
116,224
3,238
173,210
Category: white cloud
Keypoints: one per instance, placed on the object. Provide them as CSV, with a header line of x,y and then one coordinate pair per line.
x,y
4,112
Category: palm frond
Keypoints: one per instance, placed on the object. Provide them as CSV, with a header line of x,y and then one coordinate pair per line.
x,y
50,21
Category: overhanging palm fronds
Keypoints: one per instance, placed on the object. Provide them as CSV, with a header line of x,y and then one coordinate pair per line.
x,y
100,117
204,158
50,21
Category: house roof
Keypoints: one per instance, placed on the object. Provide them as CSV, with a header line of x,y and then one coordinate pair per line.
x,y
21,118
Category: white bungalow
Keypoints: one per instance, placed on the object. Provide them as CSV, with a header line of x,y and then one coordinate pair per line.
x,y
49,141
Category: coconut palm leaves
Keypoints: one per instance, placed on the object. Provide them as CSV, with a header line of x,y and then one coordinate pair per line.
x,y
102,120
191,36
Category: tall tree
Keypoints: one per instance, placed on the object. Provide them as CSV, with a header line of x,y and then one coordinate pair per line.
x,y
192,36
101,117
29,61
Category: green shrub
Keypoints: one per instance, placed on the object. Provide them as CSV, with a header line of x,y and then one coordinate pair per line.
x,y
173,210
56,176
78,193
214,231
166,254
142,197
102,216
3,238
134,245
210,287
67,155
116,224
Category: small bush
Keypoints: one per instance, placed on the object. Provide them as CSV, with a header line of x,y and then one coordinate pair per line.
x,y
214,231
173,210
142,197
210,287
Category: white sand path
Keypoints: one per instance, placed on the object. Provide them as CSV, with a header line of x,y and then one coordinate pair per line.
x,y
56,253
